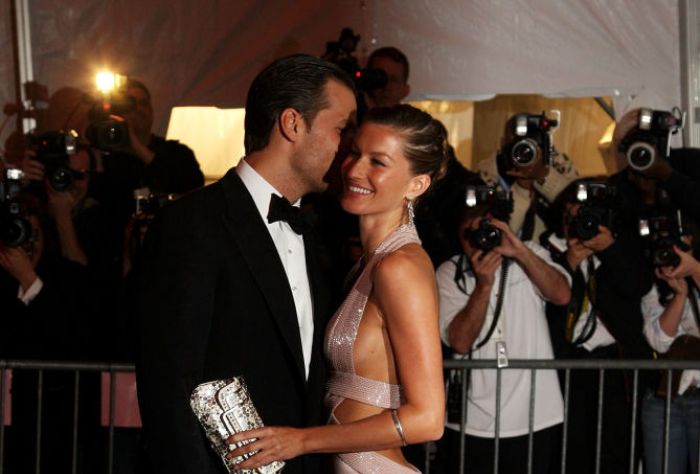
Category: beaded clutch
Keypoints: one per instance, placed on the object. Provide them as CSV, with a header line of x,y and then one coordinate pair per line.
x,y
223,408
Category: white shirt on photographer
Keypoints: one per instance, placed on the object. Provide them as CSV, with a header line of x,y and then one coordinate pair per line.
x,y
526,335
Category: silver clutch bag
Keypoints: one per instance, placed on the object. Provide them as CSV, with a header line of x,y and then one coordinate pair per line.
x,y
223,408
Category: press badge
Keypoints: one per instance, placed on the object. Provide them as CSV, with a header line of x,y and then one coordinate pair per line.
x,y
501,354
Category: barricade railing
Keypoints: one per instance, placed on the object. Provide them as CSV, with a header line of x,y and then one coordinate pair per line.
x,y
77,368
450,365
567,365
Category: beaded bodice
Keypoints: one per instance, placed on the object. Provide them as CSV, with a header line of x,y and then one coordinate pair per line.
x,y
342,332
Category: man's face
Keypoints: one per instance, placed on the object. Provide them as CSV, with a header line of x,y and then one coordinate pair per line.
x,y
320,141
141,118
396,88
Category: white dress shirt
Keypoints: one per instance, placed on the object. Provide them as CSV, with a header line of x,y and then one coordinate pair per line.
x,y
290,248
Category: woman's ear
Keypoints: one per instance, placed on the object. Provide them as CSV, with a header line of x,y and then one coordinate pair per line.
x,y
417,186
290,124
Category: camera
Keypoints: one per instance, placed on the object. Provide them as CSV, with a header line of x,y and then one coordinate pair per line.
x,y
651,139
147,204
104,132
485,237
662,233
15,228
369,79
597,203
53,150
530,132
495,199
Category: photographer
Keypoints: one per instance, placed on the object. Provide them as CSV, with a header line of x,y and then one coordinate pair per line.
x,y
394,63
145,160
672,327
528,166
601,321
492,306
44,315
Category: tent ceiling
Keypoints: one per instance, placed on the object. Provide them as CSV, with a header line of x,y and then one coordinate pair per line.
x,y
206,53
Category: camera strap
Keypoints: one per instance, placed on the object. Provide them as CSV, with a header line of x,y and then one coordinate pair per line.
x,y
454,381
693,297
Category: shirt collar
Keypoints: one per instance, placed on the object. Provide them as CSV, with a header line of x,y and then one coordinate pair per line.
x,y
258,187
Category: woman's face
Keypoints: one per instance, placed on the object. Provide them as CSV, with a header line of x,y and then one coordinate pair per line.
x,y
376,175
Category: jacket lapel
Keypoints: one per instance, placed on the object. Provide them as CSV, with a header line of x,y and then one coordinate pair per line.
x,y
250,234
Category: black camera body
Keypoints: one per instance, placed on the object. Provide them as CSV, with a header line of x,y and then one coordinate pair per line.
x,y
498,203
104,132
651,139
368,79
495,199
147,204
486,237
662,232
531,133
53,150
15,228
597,208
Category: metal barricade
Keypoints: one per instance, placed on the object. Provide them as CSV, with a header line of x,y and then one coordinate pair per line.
x,y
602,366
635,366
40,367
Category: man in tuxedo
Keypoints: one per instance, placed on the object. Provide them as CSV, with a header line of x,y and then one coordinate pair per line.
x,y
228,289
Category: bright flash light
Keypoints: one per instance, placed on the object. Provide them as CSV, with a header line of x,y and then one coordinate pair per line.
x,y
107,81
471,197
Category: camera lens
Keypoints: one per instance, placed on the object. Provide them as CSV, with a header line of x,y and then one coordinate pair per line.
x,y
641,155
61,178
524,152
113,134
14,230
487,236
664,256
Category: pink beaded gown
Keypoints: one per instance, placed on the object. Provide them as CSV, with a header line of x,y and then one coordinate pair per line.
x,y
344,382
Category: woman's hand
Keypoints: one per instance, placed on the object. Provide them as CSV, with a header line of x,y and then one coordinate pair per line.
x,y
268,444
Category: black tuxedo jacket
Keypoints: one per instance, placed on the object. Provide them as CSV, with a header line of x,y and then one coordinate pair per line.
x,y
215,302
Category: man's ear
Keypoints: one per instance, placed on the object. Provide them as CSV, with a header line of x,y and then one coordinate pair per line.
x,y
417,186
406,90
291,124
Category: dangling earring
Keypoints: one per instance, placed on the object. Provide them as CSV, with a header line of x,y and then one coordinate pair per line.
x,y
411,212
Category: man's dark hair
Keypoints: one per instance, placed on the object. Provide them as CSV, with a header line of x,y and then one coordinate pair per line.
x,y
392,53
296,82
136,84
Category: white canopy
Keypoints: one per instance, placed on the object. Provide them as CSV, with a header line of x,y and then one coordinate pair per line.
x,y
194,52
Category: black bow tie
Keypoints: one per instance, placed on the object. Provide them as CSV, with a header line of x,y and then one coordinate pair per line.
x,y
300,220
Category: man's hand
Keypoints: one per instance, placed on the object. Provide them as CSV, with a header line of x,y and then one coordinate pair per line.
x,y
688,266
18,264
60,203
601,241
485,266
677,284
33,169
511,245
576,252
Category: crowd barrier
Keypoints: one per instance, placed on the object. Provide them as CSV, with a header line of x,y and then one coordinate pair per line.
x,y
118,402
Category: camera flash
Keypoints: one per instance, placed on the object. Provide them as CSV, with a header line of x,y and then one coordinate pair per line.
x,y
471,197
581,193
644,227
107,81
645,116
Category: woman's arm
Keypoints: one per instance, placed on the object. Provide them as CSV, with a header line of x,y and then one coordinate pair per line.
x,y
404,287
